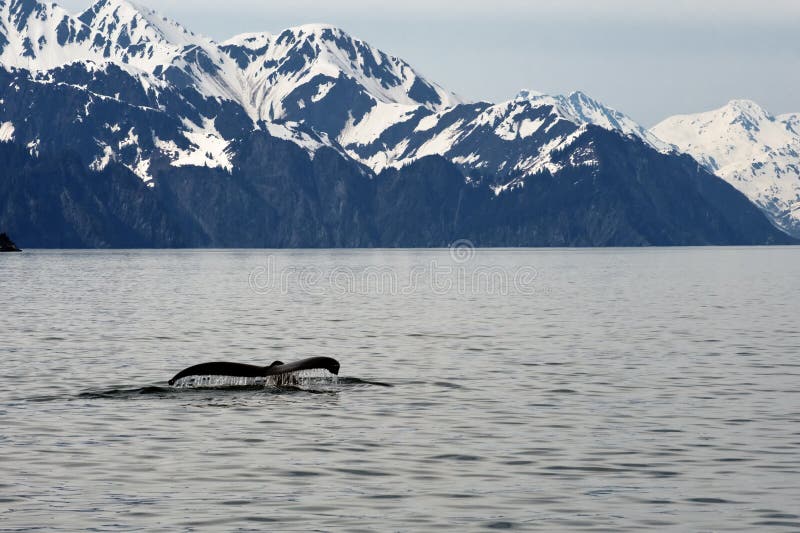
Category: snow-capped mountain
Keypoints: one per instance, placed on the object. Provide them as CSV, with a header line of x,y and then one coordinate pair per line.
x,y
508,141
40,37
138,37
119,63
300,72
754,151
311,137
312,84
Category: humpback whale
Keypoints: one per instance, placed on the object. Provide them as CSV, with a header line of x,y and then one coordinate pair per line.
x,y
253,371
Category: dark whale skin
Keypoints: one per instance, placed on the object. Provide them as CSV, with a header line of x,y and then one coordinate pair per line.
x,y
254,371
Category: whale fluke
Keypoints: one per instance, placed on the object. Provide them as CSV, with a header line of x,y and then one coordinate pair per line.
x,y
254,371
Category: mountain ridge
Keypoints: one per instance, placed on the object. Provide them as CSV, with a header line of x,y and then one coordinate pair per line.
x,y
314,74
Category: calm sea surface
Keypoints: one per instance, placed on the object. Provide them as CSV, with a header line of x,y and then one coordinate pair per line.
x,y
589,390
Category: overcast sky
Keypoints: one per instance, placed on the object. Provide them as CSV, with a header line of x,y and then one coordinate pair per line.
x,y
648,58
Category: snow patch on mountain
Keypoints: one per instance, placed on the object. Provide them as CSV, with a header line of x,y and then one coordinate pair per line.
x,y
441,143
428,122
207,148
6,132
102,161
543,160
33,147
375,122
293,132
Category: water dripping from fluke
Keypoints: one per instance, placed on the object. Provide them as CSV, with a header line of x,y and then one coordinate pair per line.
x,y
301,379
304,380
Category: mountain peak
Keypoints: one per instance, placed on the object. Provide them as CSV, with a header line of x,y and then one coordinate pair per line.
x,y
137,29
748,113
292,71
744,104
35,36
316,28
118,10
528,94
257,40
580,95
580,108
250,40
745,145
125,4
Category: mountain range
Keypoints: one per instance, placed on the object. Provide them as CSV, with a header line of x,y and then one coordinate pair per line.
x,y
119,127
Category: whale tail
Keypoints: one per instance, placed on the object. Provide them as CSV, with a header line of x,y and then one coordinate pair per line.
x,y
250,371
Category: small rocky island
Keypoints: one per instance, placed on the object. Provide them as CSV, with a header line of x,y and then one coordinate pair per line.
x,y
7,245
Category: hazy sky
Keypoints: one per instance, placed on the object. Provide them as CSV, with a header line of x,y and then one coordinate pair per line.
x,y
648,58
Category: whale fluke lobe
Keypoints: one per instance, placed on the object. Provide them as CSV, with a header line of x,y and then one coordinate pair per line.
x,y
254,371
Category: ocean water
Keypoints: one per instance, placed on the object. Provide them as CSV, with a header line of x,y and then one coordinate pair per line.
x,y
576,390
